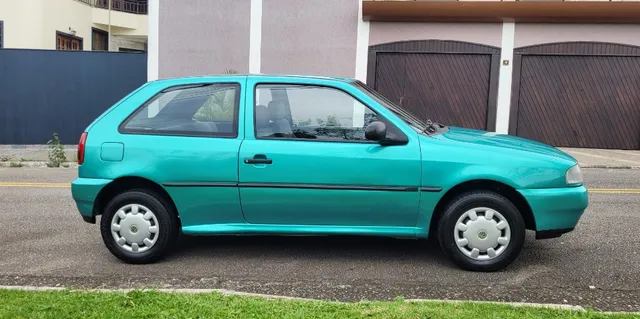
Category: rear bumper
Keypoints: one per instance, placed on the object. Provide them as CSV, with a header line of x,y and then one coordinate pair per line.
x,y
556,210
84,192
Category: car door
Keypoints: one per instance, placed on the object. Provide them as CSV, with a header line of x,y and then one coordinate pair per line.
x,y
305,161
186,137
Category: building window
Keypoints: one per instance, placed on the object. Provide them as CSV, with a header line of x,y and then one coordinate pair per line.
x,y
99,40
66,41
1,34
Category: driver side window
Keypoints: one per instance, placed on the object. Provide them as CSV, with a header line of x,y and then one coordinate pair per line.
x,y
310,112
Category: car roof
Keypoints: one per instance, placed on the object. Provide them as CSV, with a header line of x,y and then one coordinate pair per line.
x,y
199,78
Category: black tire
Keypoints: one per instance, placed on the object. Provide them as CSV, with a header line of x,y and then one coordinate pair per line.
x,y
167,222
463,203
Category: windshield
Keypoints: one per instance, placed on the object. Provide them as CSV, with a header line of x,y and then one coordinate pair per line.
x,y
409,118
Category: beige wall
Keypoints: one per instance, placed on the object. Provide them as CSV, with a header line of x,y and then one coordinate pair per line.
x,y
60,15
531,34
309,37
481,33
199,37
32,24
23,24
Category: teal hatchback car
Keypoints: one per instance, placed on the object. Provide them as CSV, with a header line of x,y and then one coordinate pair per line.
x,y
304,155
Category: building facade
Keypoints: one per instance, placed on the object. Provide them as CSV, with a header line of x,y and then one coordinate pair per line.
x,y
74,25
565,73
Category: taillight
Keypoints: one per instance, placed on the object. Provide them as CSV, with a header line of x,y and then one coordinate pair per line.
x,y
83,141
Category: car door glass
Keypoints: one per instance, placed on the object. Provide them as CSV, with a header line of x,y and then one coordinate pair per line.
x,y
193,110
310,112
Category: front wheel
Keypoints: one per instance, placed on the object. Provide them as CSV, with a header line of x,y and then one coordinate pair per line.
x,y
138,227
481,231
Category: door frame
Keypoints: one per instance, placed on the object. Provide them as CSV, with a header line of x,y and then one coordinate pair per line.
x,y
443,47
568,48
409,189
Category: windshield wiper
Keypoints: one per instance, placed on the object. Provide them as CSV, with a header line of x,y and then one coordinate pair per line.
x,y
432,127
429,127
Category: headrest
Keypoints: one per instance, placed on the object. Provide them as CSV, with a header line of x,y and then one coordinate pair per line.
x,y
262,115
277,110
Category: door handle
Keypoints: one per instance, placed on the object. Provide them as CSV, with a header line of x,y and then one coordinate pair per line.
x,y
258,159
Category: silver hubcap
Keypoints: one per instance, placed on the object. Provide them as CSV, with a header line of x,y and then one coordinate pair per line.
x,y
135,228
482,233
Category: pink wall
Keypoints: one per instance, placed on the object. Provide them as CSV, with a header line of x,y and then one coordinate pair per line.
x,y
309,37
481,33
203,37
531,34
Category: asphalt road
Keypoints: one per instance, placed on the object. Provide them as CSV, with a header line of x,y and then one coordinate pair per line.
x,y
43,241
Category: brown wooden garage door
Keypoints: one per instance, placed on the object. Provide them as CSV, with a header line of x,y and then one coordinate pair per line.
x,y
447,87
580,101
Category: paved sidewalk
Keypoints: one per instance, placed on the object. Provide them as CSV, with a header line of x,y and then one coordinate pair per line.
x,y
37,155
32,154
598,158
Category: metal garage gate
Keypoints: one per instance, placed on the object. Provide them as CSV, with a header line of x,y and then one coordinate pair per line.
x,y
447,81
578,95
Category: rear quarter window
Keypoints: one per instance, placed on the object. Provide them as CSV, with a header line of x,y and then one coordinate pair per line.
x,y
195,110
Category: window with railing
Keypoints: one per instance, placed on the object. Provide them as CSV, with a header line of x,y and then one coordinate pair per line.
x,y
129,6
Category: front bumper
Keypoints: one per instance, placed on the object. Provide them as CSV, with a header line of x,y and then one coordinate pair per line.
x,y
556,210
84,192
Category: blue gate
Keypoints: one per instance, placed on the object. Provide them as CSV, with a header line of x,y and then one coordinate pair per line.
x,y
44,91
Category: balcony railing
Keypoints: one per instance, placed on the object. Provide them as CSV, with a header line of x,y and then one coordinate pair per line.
x,y
129,6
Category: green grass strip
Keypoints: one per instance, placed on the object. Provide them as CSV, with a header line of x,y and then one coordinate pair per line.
x,y
151,304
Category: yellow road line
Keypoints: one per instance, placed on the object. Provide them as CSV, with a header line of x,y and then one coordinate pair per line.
x,y
606,157
614,191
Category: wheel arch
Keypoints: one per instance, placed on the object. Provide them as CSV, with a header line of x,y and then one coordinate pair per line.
x,y
122,184
483,184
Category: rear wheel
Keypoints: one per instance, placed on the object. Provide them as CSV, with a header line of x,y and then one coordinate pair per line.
x,y
481,231
138,227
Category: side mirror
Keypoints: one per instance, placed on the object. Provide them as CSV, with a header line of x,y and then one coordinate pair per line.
x,y
376,131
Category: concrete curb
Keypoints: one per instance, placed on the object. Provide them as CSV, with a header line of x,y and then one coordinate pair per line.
x,y
34,147
514,304
265,296
609,167
35,164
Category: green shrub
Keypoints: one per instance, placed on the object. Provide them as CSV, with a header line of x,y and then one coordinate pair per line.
x,y
15,164
56,152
